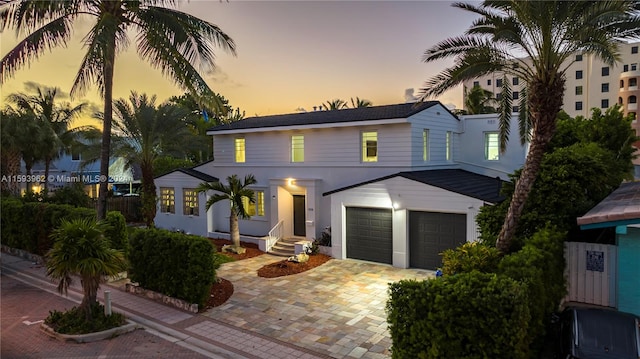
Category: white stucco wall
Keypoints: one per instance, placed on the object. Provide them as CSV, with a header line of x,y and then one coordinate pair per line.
x,y
179,221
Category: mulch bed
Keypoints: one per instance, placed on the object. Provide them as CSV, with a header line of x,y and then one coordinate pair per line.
x,y
284,267
252,249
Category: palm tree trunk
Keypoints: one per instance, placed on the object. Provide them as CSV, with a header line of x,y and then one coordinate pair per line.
x,y
47,164
545,101
105,149
90,286
148,193
234,229
11,162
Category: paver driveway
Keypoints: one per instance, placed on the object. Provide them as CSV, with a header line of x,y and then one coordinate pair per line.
x,y
337,308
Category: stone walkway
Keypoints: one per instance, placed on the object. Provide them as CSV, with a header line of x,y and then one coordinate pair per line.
x,y
337,308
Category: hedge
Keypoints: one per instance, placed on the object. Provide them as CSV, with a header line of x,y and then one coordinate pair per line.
x,y
28,225
175,264
469,315
470,256
115,230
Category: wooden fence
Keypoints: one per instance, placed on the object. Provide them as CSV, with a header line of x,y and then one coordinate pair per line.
x,y
591,273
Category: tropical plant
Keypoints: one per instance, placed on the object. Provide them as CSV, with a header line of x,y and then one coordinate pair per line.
x,y
478,101
146,132
548,33
55,120
358,102
236,192
18,133
81,249
336,104
170,40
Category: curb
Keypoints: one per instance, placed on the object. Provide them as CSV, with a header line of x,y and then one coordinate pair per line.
x,y
90,337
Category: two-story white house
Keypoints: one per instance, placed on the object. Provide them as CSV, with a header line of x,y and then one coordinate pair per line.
x,y
397,184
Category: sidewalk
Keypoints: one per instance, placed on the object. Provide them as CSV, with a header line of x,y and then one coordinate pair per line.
x,y
206,335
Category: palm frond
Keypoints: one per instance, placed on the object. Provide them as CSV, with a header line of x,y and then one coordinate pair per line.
x,y
504,118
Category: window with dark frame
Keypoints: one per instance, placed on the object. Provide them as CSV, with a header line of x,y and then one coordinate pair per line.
x,y
605,71
578,74
578,105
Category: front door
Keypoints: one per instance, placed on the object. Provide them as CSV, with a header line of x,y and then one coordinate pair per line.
x,y
298,216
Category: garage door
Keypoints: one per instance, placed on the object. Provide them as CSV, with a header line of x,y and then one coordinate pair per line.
x,y
369,234
432,233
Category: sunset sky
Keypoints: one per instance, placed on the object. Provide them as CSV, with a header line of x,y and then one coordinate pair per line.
x,y
291,54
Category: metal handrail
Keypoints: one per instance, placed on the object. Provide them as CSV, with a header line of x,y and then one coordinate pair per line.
x,y
275,234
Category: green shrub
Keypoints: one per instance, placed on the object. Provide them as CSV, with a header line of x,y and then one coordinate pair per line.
x,y
73,195
175,264
28,225
468,257
469,315
73,321
539,265
115,230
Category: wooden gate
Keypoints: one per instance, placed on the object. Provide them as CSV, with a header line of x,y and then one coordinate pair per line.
x,y
591,273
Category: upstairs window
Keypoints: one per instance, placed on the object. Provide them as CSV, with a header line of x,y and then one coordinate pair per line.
x,y
75,156
425,145
489,82
370,146
578,57
634,67
515,95
578,90
190,201
499,82
633,82
240,150
605,87
578,74
578,105
167,200
448,146
634,49
604,103
625,68
256,208
476,83
491,146
605,71
297,148
515,81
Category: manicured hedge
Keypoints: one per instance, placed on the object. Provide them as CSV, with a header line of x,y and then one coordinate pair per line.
x,y
175,264
470,256
28,225
115,230
469,315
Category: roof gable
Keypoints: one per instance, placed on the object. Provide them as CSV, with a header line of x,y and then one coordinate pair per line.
x,y
327,117
193,173
458,181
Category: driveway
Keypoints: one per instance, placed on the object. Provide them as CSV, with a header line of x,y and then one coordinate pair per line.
x,y
337,308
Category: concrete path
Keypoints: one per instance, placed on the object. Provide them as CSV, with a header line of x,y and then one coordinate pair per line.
x,y
333,311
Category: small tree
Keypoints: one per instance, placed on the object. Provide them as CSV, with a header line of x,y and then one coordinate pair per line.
x,y
81,249
236,192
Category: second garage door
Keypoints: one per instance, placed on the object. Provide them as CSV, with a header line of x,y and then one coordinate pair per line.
x,y
369,234
431,233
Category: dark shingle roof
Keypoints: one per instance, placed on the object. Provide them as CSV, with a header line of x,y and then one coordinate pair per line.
x,y
622,205
194,173
459,181
323,117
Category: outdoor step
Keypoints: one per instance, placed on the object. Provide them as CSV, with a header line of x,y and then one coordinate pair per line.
x,y
285,244
279,252
291,240
282,248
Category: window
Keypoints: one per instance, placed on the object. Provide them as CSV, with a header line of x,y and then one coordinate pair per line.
x,y
620,100
579,57
449,145
240,150
489,82
633,82
499,96
75,156
515,109
190,199
634,116
515,81
499,82
604,103
578,74
297,148
578,105
578,90
625,68
491,146
605,87
634,67
369,146
425,145
256,208
476,83
633,99
634,49
516,95
167,200
605,71
621,84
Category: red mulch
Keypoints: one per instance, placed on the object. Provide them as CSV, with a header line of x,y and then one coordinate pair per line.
x,y
284,267
252,249
220,293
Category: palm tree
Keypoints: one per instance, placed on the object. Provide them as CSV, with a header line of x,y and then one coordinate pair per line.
x,y
336,104
357,103
17,136
81,249
146,132
549,33
478,100
169,40
236,192
55,120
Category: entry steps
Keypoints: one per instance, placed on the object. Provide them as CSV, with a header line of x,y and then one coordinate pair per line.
x,y
285,247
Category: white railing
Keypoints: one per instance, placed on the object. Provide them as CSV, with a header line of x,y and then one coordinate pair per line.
x,y
275,234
